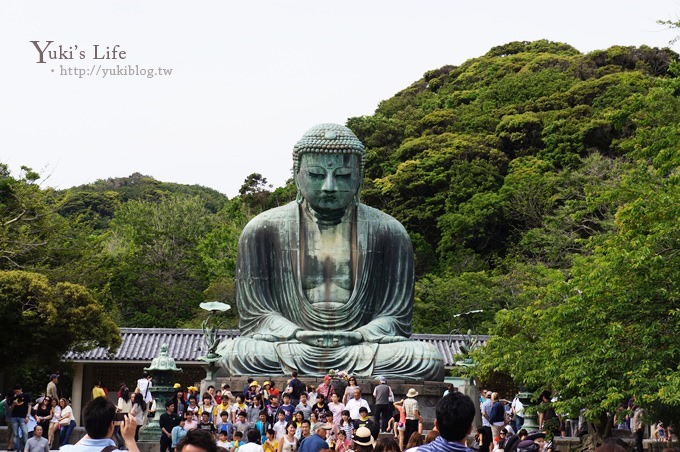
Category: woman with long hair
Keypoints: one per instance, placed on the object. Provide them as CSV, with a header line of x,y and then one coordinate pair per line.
x,y
346,424
54,425
415,440
43,413
179,401
124,406
137,412
386,444
349,390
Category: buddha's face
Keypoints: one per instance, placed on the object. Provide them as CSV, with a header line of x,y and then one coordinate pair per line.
x,y
328,182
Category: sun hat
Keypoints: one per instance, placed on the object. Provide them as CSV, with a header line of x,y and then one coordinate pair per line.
x,y
412,393
363,437
322,425
176,386
254,383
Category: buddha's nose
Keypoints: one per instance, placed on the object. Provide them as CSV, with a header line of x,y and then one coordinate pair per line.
x,y
329,182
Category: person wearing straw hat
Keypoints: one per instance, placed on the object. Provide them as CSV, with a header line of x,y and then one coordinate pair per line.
x,y
412,412
363,441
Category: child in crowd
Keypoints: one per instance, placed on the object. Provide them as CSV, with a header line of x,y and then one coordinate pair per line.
x,y
206,425
189,421
346,424
279,426
261,426
208,408
237,407
177,433
222,441
225,425
342,443
271,444
237,442
241,424
193,408
287,408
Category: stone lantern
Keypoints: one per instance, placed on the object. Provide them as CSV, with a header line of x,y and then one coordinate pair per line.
x,y
164,371
210,327
530,418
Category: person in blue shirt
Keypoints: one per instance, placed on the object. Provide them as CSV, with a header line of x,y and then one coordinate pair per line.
x,y
225,426
178,432
287,408
99,417
262,427
317,441
454,416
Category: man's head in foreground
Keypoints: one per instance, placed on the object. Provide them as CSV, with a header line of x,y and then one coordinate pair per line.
x,y
197,441
98,415
454,416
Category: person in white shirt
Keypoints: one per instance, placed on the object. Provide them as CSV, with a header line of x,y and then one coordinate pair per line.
x,y
253,442
280,425
144,384
517,410
355,403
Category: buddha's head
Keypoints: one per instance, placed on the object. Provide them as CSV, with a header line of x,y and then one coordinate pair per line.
x,y
328,164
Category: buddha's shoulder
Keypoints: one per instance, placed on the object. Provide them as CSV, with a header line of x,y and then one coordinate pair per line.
x,y
285,213
380,218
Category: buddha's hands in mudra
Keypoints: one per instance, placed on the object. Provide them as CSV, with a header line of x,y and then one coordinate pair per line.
x,y
329,339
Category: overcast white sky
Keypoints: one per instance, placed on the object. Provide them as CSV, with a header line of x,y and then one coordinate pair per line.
x,y
248,77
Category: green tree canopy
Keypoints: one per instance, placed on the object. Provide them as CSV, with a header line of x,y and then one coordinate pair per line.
x,y
42,320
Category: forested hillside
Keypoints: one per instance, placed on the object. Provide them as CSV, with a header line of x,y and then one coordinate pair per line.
x,y
506,168
538,184
541,185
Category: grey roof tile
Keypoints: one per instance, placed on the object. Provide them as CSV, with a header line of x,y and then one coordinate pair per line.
x,y
186,345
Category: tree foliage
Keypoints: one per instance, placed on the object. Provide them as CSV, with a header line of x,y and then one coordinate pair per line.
x,y
42,320
541,185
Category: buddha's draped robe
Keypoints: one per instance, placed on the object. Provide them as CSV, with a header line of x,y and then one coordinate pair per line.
x,y
272,302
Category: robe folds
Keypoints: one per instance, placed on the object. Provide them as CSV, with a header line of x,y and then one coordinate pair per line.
x,y
272,304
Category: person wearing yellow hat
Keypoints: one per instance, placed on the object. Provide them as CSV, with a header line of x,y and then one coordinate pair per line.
x,y
192,391
253,390
264,391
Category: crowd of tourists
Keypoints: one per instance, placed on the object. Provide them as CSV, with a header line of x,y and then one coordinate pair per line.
x,y
304,418
39,424
294,418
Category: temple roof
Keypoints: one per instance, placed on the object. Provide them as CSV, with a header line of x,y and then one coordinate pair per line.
x,y
141,345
